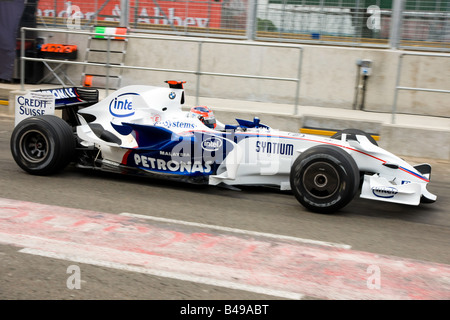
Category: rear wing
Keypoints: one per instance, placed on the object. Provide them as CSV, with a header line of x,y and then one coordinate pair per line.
x,y
73,97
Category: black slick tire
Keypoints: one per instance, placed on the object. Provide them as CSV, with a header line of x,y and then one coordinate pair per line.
x,y
42,145
324,178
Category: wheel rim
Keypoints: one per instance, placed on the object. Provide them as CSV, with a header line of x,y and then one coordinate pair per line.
x,y
321,180
34,146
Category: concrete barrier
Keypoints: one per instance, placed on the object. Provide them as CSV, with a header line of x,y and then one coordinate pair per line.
x,y
416,141
328,73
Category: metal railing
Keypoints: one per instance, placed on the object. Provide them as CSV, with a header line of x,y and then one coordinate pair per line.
x,y
398,87
198,71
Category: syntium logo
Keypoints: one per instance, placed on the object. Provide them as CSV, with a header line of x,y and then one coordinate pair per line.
x,y
272,147
122,105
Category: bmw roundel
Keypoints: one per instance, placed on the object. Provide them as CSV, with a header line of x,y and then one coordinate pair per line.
x,y
172,95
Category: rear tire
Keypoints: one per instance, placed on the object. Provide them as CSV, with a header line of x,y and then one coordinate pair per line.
x,y
42,145
324,178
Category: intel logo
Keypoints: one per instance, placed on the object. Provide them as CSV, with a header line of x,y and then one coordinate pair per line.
x,y
122,105
212,144
384,192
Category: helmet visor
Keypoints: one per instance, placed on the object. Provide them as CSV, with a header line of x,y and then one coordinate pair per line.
x,y
210,122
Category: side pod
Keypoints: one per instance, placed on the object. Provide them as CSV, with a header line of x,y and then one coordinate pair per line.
x,y
148,137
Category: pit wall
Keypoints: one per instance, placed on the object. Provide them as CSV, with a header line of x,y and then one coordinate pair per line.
x,y
328,74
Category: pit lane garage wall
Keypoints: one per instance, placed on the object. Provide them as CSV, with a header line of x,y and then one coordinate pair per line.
x,y
327,73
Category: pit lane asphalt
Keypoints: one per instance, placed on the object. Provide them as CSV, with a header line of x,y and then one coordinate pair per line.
x,y
421,233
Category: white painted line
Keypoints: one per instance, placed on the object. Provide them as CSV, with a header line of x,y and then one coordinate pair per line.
x,y
166,274
240,231
232,258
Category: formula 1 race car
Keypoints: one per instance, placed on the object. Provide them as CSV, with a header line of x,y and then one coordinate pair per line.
x,y
144,130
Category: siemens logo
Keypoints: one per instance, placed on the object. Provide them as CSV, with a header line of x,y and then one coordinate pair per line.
x,y
275,148
176,124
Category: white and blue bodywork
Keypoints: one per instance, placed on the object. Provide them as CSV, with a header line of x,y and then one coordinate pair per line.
x,y
144,130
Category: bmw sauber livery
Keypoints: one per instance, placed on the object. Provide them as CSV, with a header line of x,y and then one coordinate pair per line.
x,y
144,130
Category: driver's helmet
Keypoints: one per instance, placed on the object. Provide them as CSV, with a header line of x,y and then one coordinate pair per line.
x,y
205,115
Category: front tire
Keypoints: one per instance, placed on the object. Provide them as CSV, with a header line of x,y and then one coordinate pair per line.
x,y
42,145
324,178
